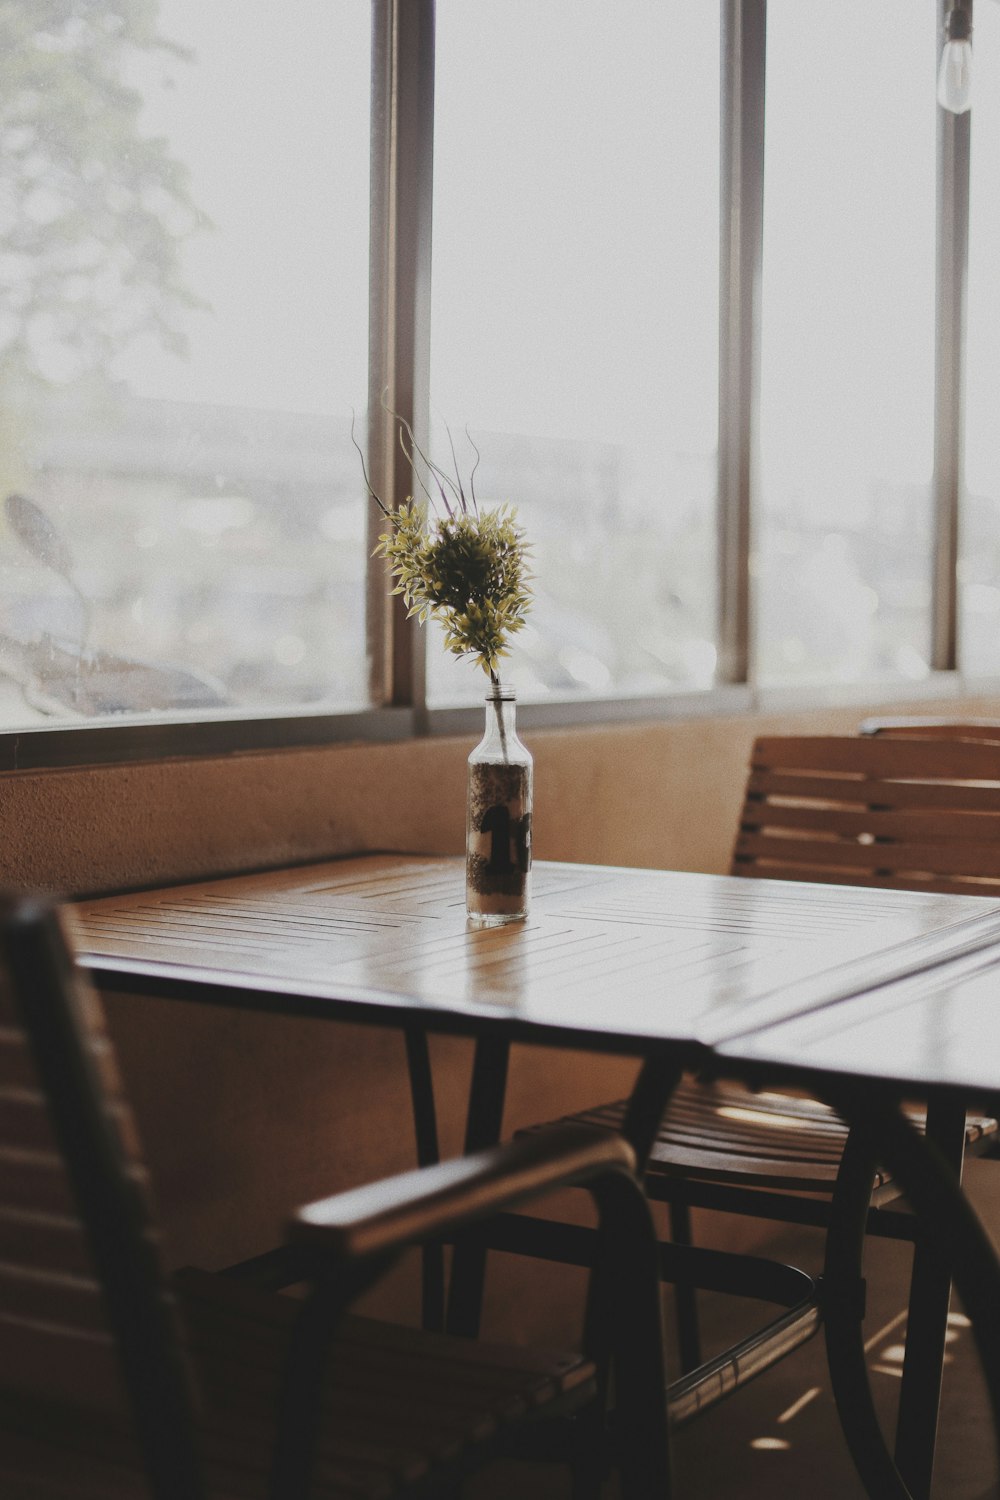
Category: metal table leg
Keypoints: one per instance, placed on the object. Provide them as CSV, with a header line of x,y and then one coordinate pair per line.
x,y
418,1063
843,1314
927,1325
484,1121
954,1237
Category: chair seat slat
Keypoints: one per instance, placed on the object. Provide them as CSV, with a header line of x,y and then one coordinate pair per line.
x,y
215,1298
729,1154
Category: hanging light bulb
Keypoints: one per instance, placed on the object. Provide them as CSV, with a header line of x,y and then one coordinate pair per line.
x,y
955,73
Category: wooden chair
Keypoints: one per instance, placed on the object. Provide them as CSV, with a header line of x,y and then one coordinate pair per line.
x,y
914,812
117,1382
910,813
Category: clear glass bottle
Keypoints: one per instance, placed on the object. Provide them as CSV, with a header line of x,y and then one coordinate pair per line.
x,y
498,819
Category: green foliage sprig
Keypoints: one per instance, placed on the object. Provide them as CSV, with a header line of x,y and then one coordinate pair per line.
x,y
466,568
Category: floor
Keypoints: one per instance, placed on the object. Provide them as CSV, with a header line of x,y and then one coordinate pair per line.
x,y
780,1436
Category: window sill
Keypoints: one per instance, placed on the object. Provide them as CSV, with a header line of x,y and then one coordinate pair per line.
x,y
108,742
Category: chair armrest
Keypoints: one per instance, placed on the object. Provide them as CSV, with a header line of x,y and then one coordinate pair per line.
x,y
364,1228
433,1202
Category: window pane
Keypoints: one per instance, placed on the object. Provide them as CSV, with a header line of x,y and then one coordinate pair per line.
x,y
842,550
575,325
182,338
979,567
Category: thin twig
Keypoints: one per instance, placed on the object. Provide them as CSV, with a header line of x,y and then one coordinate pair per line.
x,y
472,475
438,473
364,471
498,710
458,472
416,471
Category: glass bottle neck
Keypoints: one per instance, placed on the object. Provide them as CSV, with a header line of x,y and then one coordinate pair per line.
x,y
500,734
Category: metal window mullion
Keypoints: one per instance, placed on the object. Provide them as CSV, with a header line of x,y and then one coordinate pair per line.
x,y
953,152
744,31
402,142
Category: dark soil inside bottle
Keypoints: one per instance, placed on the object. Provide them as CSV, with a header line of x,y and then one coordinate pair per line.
x,y
499,839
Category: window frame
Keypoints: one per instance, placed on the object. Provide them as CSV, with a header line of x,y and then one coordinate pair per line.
x,y
402,128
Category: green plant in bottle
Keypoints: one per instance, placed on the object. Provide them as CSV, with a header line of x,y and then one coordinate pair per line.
x,y
466,566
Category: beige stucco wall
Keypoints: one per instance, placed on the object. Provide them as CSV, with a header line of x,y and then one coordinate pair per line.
x,y
244,1116
663,794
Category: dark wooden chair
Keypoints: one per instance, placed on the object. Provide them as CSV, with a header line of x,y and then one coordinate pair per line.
x,y
116,1381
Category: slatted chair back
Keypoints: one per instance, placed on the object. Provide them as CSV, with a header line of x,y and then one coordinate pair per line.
x,y
86,1324
912,813
933,728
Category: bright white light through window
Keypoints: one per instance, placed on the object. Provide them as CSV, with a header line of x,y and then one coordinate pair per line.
x,y
842,556
979,568
575,324
189,536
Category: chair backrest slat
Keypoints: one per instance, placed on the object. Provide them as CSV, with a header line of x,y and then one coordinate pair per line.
x,y
928,728
961,797
879,756
58,1299
910,813
47,1241
35,1180
16,1067
60,1307
954,827
86,1315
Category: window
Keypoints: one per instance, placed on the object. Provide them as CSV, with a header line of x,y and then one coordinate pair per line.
x,y
575,325
979,566
184,338
226,227
843,527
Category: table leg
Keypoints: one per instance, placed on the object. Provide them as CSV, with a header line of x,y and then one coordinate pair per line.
x,y
879,1129
484,1121
927,1324
658,1077
685,1298
953,1227
844,1311
418,1063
